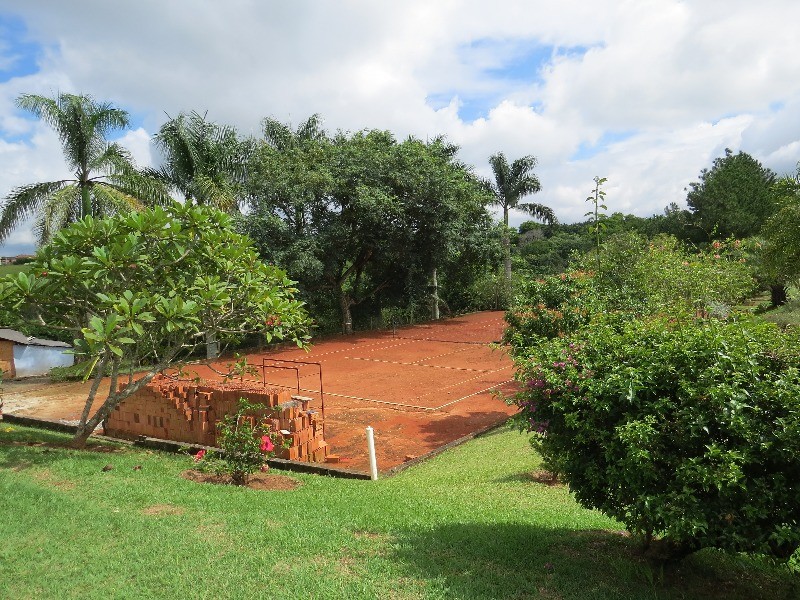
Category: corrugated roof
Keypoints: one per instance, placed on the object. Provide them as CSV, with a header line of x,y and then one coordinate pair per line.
x,y
17,337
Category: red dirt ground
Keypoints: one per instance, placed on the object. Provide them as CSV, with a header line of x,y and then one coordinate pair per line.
x,y
419,388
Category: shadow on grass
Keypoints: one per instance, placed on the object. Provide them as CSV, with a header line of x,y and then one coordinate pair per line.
x,y
22,448
486,561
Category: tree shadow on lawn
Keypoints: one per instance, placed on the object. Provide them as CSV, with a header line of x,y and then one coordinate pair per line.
x,y
524,561
34,448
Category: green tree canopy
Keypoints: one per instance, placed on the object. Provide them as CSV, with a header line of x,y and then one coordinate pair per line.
x,y
105,180
511,183
358,215
148,287
781,253
203,161
733,198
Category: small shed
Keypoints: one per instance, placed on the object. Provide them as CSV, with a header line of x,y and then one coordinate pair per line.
x,y
23,356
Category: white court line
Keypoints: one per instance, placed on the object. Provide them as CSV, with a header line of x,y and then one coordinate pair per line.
x,y
416,364
493,387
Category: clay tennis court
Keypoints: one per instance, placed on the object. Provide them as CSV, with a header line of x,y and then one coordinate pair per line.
x,y
419,387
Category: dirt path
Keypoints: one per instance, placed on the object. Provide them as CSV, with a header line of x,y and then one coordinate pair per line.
x,y
419,387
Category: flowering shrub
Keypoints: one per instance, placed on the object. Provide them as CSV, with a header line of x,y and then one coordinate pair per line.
x,y
246,443
635,277
550,307
688,429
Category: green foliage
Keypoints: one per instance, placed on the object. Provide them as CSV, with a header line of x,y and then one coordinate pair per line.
x,y
629,277
781,233
152,286
246,441
668,420
205,162
786,316
490,291
597,215
734,198
105,179
549,308
690,430
362,220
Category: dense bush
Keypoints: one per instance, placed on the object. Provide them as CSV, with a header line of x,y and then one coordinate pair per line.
x,y
655,404
549,307
631,277
686,430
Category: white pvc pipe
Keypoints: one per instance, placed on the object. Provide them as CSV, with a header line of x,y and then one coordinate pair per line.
x,y
373,463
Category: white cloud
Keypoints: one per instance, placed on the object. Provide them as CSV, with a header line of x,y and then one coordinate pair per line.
x,y
681,80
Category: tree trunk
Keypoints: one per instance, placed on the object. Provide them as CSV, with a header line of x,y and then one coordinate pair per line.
x,y
345,302
506,247
777,295
212,345
86,200
435,295
87,426
83,431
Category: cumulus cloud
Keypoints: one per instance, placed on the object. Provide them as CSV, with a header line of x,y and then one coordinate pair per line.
x,y
646,93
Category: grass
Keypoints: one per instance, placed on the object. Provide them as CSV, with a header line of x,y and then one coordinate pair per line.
x,y
469,524
785,316
12,269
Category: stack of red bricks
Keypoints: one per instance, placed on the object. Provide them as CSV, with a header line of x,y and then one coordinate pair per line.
x,y
300,431
185,411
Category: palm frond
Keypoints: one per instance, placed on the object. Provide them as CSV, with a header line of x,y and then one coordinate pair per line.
x,y
112,200
58,210
24,201
513,181
220,195
539,211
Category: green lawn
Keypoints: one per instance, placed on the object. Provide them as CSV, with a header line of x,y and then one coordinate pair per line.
x,y
12,269
468,524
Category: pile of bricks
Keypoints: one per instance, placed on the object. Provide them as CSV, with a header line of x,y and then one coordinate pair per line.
x,y
185,411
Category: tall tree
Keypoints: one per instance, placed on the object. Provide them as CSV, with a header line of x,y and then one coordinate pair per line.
x,y
203,161
733,198
105,180
511,183
360,215
780,256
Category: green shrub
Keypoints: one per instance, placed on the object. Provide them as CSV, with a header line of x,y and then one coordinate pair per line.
x,y
547,308
631,277
680,428
246,441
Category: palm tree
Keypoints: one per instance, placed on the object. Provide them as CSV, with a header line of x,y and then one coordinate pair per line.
x,y
512,182
203,161
281,137
105,179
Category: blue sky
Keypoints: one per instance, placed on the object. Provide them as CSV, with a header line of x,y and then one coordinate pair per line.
x,y
646,94
19,55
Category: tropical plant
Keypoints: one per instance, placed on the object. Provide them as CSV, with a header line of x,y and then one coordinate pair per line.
x,y
246,441
597,216
151,286
105,180
511,183
203,161
682,429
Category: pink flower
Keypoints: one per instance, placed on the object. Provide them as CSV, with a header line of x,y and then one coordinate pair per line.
x,y
199,456
266,444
